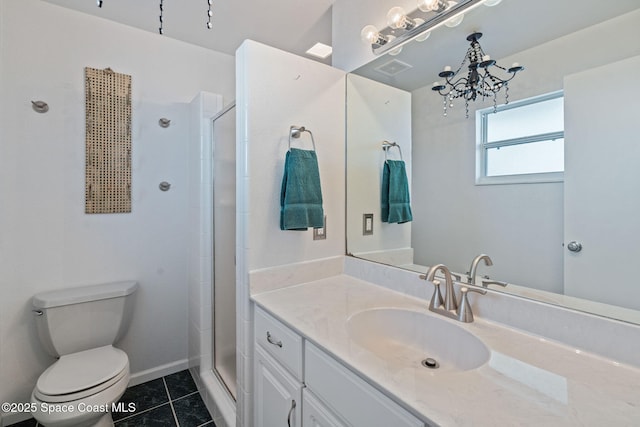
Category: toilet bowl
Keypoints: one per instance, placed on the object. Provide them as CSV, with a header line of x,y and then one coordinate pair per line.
x,y
81,388
80,325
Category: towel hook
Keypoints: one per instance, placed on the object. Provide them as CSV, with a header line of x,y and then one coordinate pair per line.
x,y
297,131
386,145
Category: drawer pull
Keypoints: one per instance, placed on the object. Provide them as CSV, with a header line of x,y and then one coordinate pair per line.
x,y
293,406
272,341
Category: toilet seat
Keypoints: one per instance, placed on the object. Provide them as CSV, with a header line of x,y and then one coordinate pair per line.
x,y
78,375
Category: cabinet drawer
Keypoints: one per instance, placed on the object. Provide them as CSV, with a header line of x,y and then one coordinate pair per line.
x,y
359,403
279,341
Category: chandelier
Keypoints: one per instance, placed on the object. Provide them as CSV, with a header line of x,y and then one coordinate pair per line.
x,y
480,80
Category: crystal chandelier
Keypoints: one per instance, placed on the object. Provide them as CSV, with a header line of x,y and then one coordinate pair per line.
x,y
479,81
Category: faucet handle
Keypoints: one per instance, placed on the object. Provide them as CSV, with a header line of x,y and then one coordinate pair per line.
x,y
486,283
436,299
464,309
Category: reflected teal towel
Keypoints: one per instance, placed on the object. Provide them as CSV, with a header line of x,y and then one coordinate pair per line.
x,y
396,206
301,195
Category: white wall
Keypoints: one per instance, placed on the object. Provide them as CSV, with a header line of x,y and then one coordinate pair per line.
x,y
376,112
519,226
275,90
46,240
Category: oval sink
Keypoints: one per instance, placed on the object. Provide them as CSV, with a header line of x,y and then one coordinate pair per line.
x,y
409,337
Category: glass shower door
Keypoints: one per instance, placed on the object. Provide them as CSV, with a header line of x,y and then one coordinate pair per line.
x,y
224,233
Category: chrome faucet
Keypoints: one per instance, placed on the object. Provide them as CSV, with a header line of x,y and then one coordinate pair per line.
x,y
449,307
450,302
471,276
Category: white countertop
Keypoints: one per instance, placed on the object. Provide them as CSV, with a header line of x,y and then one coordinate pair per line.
x,y
529,381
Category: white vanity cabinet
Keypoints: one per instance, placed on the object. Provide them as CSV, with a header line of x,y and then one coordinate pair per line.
x,y
323,394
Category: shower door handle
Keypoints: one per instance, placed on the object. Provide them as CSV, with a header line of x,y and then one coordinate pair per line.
x,y
293,406
272,341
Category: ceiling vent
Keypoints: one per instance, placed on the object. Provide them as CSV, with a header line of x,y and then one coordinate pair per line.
x,y
393,67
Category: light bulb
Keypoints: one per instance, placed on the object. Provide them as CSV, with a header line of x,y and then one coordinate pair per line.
x,y
396,51
432,5
456,20
397,18
422,37
370,34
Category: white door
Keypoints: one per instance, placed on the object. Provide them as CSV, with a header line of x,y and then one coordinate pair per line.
x,y
602,183
278,396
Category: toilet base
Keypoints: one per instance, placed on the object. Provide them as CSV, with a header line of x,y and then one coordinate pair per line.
x,y
105,421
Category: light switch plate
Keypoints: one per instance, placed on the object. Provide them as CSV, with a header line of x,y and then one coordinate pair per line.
x,y
367,224
320,233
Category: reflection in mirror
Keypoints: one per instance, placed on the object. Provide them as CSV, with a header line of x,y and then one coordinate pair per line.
x,y
525,228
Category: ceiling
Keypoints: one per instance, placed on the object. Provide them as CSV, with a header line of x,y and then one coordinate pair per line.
x,y
295,26
290,25
510,27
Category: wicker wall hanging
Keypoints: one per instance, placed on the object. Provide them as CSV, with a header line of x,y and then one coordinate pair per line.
x,y
108,141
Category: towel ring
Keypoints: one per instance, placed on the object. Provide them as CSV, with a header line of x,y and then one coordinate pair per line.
x,y
297,131
386,145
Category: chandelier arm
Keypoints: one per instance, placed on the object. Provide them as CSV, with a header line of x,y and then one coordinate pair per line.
x,y
461,80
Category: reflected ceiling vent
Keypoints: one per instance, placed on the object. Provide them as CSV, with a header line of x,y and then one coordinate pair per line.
x,y
393,67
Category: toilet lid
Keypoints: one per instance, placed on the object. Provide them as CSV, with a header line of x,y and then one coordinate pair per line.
x,y
82,370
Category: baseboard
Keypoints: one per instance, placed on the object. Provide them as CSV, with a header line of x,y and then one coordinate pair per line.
x,y
158,372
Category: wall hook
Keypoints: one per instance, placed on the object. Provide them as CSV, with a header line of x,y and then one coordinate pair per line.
x,y
164,123
39,106
164,186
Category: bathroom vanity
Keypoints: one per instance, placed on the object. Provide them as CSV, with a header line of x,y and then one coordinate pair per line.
x,y
341,351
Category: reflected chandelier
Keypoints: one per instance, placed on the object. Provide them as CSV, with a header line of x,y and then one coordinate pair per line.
x,y
479,81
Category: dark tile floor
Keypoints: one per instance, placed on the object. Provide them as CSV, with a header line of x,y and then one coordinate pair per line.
x,y
169,401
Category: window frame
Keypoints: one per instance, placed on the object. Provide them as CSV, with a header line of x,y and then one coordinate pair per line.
x,y
482,146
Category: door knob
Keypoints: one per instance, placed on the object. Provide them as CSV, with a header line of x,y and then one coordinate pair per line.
x,y
574,246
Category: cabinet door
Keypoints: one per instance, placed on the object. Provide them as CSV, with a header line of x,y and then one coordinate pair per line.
x,y
277,394
316,414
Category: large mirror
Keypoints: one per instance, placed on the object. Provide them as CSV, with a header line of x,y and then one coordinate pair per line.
x,y
587,49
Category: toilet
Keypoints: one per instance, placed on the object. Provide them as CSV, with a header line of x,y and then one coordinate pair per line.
x,y
79,326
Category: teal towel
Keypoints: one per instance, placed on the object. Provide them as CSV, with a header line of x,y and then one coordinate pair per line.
x,y
396,206
301,195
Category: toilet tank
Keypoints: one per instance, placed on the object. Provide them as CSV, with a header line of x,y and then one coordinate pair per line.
x,y
77,319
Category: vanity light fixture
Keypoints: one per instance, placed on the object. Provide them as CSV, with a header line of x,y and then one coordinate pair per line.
x,y
403,27
480,80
